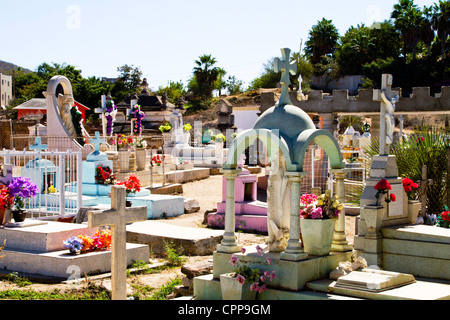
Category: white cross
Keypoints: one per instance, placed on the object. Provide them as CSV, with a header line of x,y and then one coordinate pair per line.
x,y
102,111
97,141
117,217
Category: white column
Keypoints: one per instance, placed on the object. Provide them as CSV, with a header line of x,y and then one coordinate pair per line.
x,y
340,242
294,250
229,242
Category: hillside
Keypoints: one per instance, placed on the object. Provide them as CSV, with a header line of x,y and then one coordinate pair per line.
x,y
7,67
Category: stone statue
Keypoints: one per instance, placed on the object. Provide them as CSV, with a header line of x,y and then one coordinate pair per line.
x,y
278,205
389,108
65,104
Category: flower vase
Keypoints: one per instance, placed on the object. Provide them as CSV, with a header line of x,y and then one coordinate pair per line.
x,y
414,207
317,236
124,160
141,155
167,138
19,215
233,290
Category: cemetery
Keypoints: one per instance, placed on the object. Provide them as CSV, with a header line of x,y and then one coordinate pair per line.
x,y
276,199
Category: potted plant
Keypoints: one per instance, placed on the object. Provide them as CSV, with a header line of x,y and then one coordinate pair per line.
x,y
245,282
186,135
167,135
443,220
317,222
132,185
141,153
156,163
6,202
21,188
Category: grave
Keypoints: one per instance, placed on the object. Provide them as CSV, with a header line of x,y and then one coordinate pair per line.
x,y
251,214
36,248
286,132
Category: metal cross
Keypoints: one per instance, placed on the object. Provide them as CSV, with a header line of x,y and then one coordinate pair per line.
x,y
38,145
286,67
117,217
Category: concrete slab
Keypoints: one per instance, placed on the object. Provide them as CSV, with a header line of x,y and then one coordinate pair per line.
x,y
190,241
418,232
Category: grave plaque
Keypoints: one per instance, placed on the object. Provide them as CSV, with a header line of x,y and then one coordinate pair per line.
x,y
373,280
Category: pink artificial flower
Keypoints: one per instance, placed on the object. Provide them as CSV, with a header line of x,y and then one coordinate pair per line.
x,y
262,288
234,260
266,273
259,250
262,278
240,279
269,261
254,287
243,250
316,213
272,276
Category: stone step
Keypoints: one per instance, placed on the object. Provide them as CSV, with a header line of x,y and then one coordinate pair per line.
x,y
46,237
192,241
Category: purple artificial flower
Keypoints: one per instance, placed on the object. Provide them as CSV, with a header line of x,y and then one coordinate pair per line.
x,y
243,250
22,187
272,276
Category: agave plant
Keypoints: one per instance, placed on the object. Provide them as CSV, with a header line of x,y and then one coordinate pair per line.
x,y
426,146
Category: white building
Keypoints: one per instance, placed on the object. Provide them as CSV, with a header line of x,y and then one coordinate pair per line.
x,y
5,90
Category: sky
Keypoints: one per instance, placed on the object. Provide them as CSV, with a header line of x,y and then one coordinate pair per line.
x,y
164,38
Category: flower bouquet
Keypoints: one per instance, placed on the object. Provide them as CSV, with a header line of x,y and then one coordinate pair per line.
x,y
100,241
321,207
104,175
409,186
165,127
158,159
124,142
187,127
6,200
21,188
141,143
256,277
383,186
132,184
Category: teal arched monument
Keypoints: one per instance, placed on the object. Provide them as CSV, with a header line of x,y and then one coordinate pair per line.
x,y
282,128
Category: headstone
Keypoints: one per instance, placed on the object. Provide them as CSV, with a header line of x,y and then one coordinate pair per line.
x,y
117,217
89,167
374,280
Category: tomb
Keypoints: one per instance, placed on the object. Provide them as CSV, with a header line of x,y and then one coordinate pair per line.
x,y
286,132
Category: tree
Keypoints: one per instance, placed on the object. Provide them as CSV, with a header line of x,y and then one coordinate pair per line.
x,y
440,20
409,20
174,91
130,76
233,85
323,41
268,78
204,77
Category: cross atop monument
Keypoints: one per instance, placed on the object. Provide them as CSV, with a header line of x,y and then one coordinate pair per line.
x,y
38,145
286,67
97,141
388,98
117,217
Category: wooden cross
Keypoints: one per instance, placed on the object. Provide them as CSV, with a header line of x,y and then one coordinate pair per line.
x,y
286,67
117,217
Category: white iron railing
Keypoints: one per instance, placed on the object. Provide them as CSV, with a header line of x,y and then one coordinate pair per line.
x,y
58,178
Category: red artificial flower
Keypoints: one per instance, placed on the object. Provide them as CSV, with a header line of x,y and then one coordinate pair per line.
x,y
409,185
383,184
393,197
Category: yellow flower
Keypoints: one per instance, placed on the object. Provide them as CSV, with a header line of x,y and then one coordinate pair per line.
x,y
320,202
341,206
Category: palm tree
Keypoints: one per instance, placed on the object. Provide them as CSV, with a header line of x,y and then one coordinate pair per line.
x,y
408,19
206,74
440,20
323,40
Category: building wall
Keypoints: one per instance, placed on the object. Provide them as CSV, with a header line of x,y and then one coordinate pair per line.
x,y
5,90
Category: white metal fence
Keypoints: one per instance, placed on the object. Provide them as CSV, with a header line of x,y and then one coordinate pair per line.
x,y
57,176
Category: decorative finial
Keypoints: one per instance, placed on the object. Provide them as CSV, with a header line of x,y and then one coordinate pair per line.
x,y
286,67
